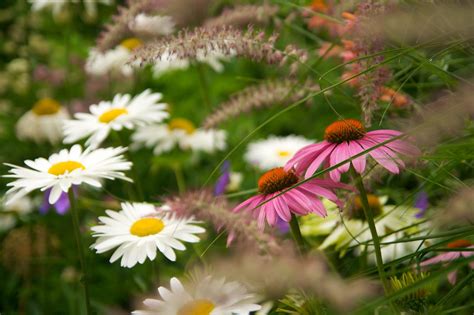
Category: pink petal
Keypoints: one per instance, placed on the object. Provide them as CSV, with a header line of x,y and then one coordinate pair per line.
x,y
359,163
282,209
270,212
380,157
382,132
452,277
248,202
317,161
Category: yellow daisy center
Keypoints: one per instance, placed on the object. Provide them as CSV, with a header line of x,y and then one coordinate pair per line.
x,y
275,180
357,211
197,307
131,43
112,114
147,226
181,124
63,167
344,130
46,106
283,153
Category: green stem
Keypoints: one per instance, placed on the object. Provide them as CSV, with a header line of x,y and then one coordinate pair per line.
x,y
178,173
77,234
370,220
204,86
296,232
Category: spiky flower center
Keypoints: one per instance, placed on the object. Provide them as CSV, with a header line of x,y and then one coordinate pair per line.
x,y
46,106
276,179
459,244
344,130
182,124
357,210
197,307
112,114
147,226
62,168
131,43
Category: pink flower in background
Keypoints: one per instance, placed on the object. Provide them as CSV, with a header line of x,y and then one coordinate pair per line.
x,y
343,140
300,200
453,255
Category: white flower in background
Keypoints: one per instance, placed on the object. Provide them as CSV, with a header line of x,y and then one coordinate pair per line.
x,y
122,112
397,249
181,133
355,230
208,296
139,230
235,180
43,122
113,61
274,151
152,25
57,5
66,168
18,208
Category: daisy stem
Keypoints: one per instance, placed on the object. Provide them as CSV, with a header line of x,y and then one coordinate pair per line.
x,y
373,231
77,234
178,173
296,232
204,85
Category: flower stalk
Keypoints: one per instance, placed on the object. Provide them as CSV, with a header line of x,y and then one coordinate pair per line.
x,y
373,231
296,232
77,234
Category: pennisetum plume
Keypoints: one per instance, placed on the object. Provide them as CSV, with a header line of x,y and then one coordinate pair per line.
x,y
260,96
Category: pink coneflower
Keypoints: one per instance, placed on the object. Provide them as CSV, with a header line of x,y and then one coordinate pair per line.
x,y
450,256
300,200
344,139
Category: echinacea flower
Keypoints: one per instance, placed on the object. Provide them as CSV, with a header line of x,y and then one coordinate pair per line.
x,y
353,228
66,168
346,138
139,230
301,200
124,111
274,151
208,296
43,122
453,255
181,133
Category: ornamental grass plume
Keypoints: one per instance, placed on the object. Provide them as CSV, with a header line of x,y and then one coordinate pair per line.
x,y
457,209
275,275
243,16
203,205
263,95
202,42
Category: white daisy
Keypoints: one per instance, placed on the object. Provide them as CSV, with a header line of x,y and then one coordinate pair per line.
x,y
18,208
113,61
274,151
152,25
181,133
43,122
206,297
122,112
66,168
355,230
139,229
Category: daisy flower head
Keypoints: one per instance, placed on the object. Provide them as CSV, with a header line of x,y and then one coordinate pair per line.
x,y
274,151
124,111
139,229
301,200
181,133
354,229
208,296
346,138
113,61
43,122
66,168
19,208
453,255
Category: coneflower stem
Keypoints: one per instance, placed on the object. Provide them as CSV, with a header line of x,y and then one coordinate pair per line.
x,y
373,231
80,249
296,232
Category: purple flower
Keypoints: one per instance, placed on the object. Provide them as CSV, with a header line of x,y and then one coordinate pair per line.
x,y
223,180
421,203
61,206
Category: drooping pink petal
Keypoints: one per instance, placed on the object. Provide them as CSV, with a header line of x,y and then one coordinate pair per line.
x,y
269,210
319,160
387,132
449,256
355,148
282,209
380,157
248,202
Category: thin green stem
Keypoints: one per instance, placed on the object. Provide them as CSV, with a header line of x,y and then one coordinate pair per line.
x,y
80,249
296,232
204,86
370,220
178,173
